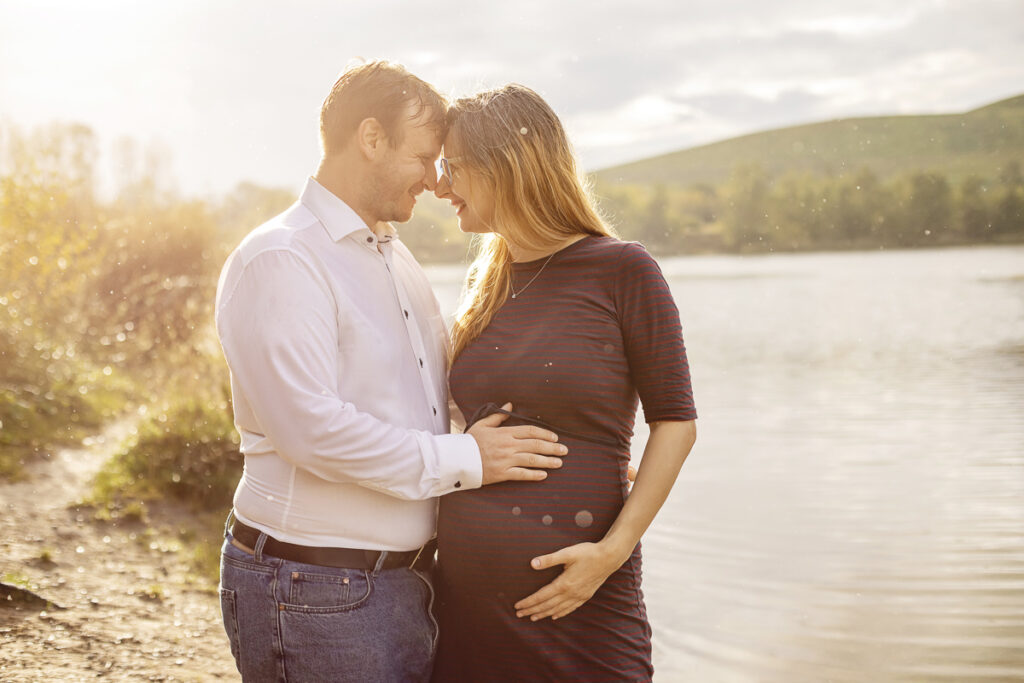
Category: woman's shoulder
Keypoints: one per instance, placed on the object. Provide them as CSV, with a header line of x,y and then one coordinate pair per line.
x,y
616,252
622,266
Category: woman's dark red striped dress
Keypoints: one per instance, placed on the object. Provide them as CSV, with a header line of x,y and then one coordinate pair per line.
x,y
595,329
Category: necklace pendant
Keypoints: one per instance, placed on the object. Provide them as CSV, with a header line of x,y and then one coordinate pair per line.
x,y
514,293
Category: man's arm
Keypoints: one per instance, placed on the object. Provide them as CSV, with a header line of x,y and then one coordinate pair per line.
x,y
277,324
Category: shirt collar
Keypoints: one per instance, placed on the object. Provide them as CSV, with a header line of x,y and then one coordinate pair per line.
x,y
337,217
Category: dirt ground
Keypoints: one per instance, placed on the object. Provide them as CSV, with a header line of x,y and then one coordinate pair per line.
x,y
124,602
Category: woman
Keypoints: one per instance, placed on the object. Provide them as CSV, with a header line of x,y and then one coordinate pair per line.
x,y
541,580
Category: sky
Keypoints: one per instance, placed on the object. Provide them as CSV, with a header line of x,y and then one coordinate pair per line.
x,y
230,91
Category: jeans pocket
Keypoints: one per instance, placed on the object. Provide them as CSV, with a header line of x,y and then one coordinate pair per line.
x,y
386,636
344,590
230,617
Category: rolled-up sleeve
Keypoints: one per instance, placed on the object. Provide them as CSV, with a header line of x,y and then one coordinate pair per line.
x,y
277,321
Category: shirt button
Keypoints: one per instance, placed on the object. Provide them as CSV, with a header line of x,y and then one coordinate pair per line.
x,y
421,362
369,239
458,484
406,313
435,410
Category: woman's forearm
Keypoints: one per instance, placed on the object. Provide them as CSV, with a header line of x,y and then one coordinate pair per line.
x,y
666,450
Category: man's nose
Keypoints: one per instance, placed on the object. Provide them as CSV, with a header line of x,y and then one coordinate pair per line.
x,y
430,177
441,187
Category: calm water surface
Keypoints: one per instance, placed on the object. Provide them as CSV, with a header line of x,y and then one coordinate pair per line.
x,y
854,507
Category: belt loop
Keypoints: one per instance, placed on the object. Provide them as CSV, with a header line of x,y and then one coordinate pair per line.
x,y
380,562
257,551
227,522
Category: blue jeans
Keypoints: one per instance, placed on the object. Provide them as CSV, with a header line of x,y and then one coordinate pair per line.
x,y
295,622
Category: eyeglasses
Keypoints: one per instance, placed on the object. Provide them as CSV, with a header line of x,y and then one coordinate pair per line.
x,y
446,169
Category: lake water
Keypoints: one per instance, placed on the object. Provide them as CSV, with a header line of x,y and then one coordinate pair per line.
x,y
854,507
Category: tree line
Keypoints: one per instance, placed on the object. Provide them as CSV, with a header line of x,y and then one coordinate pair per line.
x,y
755,212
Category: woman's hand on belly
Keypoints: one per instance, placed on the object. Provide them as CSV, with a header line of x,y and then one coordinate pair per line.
x,y
587,566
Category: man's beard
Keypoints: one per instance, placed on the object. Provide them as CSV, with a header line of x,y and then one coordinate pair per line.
x,y
390,200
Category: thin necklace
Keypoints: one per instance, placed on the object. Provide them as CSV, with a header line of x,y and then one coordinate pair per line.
x,y
514,292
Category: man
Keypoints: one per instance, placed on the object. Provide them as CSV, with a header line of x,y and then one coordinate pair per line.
x,y
337,352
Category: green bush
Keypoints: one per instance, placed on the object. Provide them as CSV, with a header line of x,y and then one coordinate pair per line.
x,y
104,305
187,451
48,398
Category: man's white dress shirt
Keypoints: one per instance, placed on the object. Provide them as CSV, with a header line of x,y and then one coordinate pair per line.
x,y
337,351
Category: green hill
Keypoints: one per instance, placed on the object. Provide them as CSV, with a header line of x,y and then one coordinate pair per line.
x,y
979,142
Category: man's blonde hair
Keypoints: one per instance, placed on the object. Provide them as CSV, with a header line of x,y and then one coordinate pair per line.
x,y
380,90
511,140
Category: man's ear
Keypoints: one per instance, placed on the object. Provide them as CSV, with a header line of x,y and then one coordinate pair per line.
x,y
370,138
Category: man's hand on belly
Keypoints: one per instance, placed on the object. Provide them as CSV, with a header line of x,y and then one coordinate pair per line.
x,y
520,453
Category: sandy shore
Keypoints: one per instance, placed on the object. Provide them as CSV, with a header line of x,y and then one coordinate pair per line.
x,y
124,603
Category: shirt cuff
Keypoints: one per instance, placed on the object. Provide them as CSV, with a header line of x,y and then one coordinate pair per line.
x,y
461,467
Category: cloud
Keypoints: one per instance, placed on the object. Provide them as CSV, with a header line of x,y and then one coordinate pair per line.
x,y
234,88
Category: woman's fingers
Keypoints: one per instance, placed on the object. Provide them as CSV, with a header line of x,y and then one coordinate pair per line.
x,y
546,608
563,595
555,607
529,604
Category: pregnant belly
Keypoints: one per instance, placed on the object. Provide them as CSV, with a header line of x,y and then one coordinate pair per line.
x,y
487,537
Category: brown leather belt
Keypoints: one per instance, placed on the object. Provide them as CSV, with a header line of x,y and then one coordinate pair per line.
x,y
344,558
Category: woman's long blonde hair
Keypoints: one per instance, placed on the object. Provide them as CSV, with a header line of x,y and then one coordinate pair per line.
x,y
512,141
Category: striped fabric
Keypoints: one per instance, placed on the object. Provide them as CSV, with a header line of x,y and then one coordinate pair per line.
x,y
594,331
